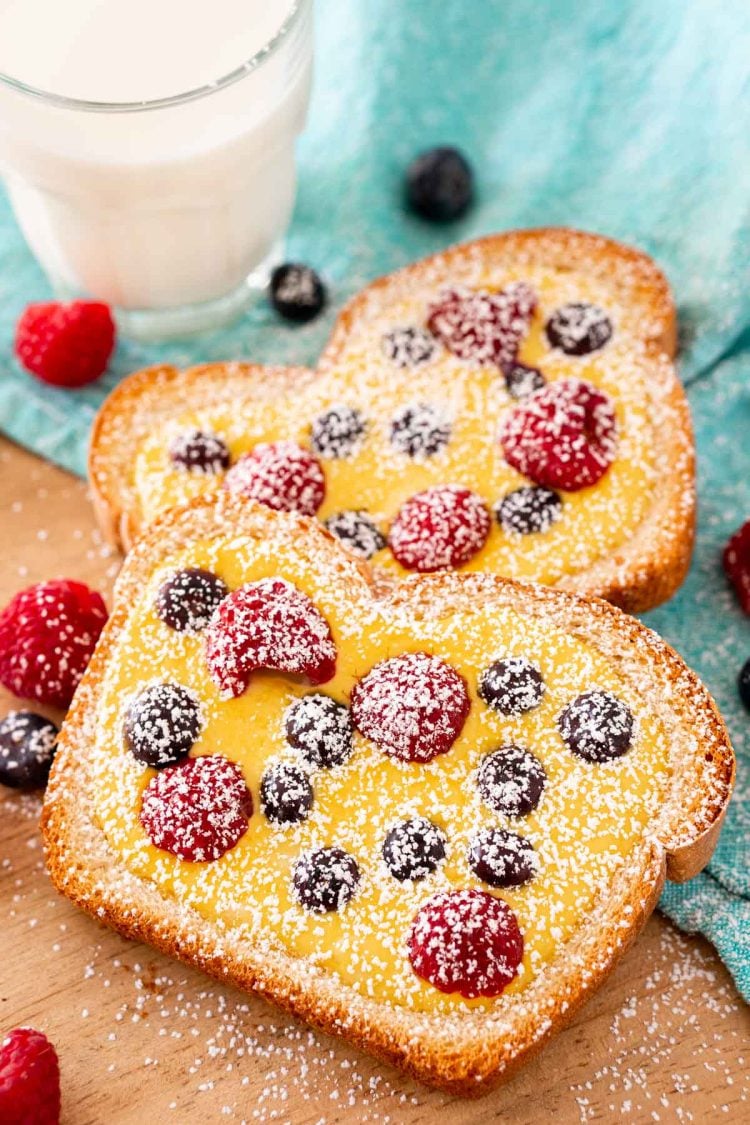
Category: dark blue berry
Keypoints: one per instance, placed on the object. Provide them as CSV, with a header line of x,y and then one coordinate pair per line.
x,y
743,684
500,858
409,347
522,380
186,601
297,292
413,849
440,184
578,328
325,879
357,532
528,510
321,730
199,451
161,724
597,726
511,686
335,434
286,794
419,430
27,747
511,781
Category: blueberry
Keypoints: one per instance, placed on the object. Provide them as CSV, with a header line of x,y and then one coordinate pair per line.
x,y
597,726
325,879
286,794
578,328
409,347
335,434
186,600
511,781
528,510
161,724
500,858
321,729
413,849
743,684
199,451
27,747
357,532
440,184
419,430
297,292
522,380
511,686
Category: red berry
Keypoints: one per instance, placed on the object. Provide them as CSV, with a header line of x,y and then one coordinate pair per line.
x,y
466,941
563,436
736,562
413,706
198,809
47,635
29,1079
282,475
441,527
483,327
268,624
67,345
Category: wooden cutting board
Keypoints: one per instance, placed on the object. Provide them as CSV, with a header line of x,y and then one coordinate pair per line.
x,y
142,1039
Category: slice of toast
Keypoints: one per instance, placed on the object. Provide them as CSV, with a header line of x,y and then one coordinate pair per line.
x,y
426,397
559,811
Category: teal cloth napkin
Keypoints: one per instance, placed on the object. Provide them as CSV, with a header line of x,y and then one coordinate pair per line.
x,y
629,119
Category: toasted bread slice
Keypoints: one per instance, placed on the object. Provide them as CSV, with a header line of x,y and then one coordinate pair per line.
x,y
604,833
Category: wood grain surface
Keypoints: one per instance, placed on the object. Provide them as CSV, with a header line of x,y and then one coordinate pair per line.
x,y
142,1039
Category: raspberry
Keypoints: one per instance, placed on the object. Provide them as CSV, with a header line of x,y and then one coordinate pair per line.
x,y
563,436
268,624
441,527
736,562
466,941
282,475
483,327
29,1079
413,706
198,809
67,345
47,635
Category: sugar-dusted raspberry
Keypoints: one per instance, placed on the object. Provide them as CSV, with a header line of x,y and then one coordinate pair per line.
x,y
563,436
67,345
736,563
442,527
466,941
483,327
198,809
47,635
268,624
29,1079
280,474
413,706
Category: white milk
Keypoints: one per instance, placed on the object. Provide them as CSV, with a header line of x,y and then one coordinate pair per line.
x,y
160,207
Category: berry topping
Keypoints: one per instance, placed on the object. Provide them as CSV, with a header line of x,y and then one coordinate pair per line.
x,y
67,345
297,292
47,635
321,729
162,724
440,184
409,347
483,327
268,624
280,474
466,941
511,781
325,879
500,858
511,686
419,430
441,527
29,1079
522,380
286,795
187,600
578,328
528,510
743,684
563,436
413,849
736,562
27,747
335,434
198,809
413,706
597,726
199,451
358,532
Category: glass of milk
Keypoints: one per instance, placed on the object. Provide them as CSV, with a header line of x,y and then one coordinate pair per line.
x,y
148,148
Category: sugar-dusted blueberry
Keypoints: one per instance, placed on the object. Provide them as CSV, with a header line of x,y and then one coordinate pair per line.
x,y
286,794
27,746
440,184
297,292
187,599
511,781
409,347
161,724
357,531
419,430
414,848
335,433
199,451
597,726
321,729
578,328
522,380
528,510
743,684
325,879
500,858
511,686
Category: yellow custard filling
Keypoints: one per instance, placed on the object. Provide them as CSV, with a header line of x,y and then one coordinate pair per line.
x,y
591,816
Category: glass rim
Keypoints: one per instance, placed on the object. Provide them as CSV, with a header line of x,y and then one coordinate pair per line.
x,y
62,101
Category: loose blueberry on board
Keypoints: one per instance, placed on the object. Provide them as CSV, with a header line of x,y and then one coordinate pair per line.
x,y
410,346
413,849
511,781
321,729
419,430
511,686
743,684
286,794
440,184
325,879
522,380
199,451
27,747
500,858
442,527
597,726
528,510
187,599
578,328
335,434
280,474
357,531
161,724
297,292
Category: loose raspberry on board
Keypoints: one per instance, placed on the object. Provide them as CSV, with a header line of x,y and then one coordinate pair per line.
x,y
736,563
440,528
67,345
29,1079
